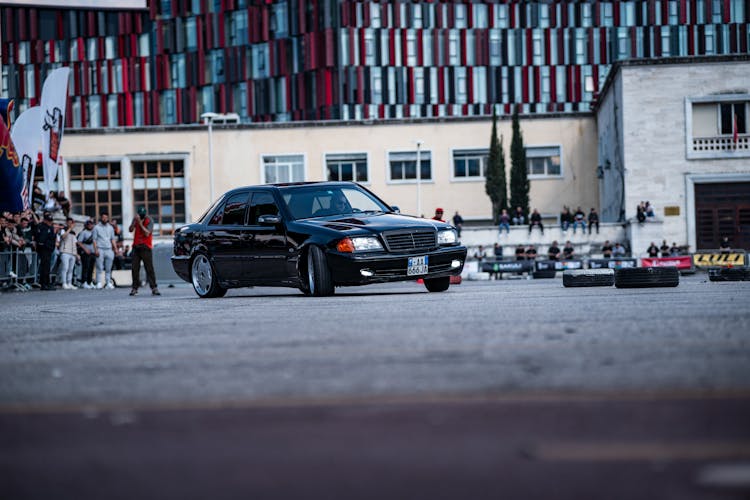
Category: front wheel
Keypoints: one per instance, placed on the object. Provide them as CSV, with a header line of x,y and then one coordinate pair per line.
x,y
319,281
437,284
205,282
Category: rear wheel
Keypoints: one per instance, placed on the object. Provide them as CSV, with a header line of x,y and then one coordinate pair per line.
x,y
647,277
437,284
319,281
203,276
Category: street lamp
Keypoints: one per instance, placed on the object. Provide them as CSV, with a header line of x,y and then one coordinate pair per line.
x,y
208,119
419,178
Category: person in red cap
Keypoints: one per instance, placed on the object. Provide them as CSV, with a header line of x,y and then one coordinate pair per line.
x,y
438,215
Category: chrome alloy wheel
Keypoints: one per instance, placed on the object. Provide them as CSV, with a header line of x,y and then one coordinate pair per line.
x,y
202,274
310,272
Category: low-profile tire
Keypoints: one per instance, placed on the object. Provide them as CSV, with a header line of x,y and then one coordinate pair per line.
x,y
729,274
544,274
204,279
588,277
437,284
319,281
647,277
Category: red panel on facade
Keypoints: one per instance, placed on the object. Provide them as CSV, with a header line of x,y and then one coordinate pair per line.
x,y
525,84
529,47
328,87
726,11
616,12
537,85
512,14
578,89
33,24
220,25
441,85
553,15
210,20
420,47
84,111
178,104
743,37
23,34
86,87
664,12
657,41
683,11
404,49
633,41
691,40
564,15
470,85
603,54
595,78
330,46
360,85
392,46
553,84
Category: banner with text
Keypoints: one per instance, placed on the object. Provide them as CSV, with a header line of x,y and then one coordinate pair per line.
x,y
718,259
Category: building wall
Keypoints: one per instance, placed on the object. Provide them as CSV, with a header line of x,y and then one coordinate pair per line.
x,y
295,60
610,158
237,153
655,132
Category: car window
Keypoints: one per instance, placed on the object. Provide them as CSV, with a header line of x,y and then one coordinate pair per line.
x,y
262,204
325,201
217,216
234,210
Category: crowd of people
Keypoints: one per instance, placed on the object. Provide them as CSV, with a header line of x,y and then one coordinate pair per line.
x,y
554,252
664,250
568,219
97,248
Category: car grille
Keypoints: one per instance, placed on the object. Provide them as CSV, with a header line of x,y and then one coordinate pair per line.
x,y
407,241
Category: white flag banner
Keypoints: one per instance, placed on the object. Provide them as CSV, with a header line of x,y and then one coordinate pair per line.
x,y
54,98
28,143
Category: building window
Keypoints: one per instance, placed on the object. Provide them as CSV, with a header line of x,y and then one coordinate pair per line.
x,y
284,168
543,161
96,187
731,112
159,185
470,163
347,167
403,165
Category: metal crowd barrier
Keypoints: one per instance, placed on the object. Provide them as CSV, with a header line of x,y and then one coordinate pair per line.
x,y
18,270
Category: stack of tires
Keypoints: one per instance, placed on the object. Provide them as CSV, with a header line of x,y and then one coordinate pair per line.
x,y
729,274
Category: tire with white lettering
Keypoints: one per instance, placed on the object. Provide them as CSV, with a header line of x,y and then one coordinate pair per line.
x,y
588,277
437,284
544,274
729,274
647,277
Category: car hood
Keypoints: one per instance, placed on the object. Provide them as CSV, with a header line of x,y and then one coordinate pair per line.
x,y
373,223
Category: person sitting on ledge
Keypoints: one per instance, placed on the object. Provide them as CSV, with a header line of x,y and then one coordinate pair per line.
x,y
554,251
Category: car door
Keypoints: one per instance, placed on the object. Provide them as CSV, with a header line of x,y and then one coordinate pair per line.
x,y
227,240
269,244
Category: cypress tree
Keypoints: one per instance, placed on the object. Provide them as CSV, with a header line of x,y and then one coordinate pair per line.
x,y
495,184
519,180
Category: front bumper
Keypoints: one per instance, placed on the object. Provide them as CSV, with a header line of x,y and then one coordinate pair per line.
x,y
383,267
181,266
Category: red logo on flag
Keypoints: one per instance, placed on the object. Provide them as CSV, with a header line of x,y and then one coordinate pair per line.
x,y
53,123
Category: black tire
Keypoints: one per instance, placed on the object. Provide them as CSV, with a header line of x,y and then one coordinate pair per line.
x,y
204,279
319,281
647,277
729,274
437,284
588,277
544,274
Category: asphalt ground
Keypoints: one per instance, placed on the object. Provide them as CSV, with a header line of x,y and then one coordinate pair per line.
x,y
512,389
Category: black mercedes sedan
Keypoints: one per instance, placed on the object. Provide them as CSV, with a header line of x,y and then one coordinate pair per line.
x,y
312,236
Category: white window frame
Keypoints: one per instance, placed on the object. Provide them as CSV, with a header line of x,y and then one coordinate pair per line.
x,y
545,146
422,152
349,153
468,178
263,157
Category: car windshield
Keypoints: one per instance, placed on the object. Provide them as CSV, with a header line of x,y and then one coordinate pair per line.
x,y
324,201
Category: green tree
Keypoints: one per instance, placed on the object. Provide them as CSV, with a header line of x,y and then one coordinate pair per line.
x,y
519,180
495,184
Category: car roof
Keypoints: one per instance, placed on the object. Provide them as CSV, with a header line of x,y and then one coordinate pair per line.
x,y
281,186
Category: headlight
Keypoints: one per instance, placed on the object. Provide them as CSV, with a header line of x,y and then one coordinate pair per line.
x,y
359,244
447,237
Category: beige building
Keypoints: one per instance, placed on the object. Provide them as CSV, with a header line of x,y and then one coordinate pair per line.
x,y
168,169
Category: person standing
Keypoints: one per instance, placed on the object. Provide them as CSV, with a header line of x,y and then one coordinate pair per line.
x,y
46,240
438,215
653,250
68,254
86,249
143,228
104,249
593,220
458,223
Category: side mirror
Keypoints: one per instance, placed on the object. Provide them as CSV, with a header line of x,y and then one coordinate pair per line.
x,y
396,209
269,219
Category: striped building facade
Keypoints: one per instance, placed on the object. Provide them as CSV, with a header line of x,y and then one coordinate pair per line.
x,y
301,60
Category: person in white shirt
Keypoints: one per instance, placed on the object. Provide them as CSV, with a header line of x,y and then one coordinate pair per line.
x,y
105,246
68,254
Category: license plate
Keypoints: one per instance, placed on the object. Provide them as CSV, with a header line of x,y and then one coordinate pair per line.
x,y
417,266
